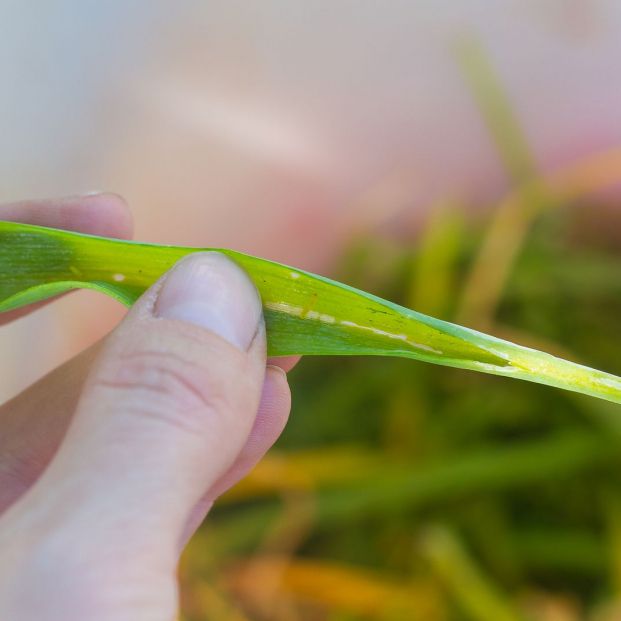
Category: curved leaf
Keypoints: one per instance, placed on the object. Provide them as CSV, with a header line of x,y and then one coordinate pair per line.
x,y
304,313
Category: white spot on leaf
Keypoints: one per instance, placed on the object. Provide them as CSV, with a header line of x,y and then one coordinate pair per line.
x,y
609,383
390,335
320,317
298,311
492,368
283,307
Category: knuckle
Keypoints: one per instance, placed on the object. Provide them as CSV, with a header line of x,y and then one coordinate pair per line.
x,y
171,388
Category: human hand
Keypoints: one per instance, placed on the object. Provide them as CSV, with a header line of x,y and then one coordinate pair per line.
x,y
108,464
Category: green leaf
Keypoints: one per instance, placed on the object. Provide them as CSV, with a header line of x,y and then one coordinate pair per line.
x,y
304,313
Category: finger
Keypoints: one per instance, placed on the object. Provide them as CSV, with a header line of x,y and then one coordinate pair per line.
x,y
96,214
34,423
270,421
165,412
286,363
104,214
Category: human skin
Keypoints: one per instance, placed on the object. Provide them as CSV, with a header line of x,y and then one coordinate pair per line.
x,y
109,463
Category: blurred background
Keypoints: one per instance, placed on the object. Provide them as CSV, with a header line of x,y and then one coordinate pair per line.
x,y
463,159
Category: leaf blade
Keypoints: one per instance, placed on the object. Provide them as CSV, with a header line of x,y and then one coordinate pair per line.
x,y
305,313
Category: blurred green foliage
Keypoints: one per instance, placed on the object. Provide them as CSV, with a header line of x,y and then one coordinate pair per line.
x,y
454,478
403,491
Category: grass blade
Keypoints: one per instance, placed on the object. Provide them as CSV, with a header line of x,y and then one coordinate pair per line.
x,y
305,313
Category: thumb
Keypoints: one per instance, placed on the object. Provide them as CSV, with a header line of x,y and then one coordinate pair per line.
x,y
166,409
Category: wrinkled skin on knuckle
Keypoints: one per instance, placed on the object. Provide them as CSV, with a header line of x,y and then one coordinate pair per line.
x,y
199,383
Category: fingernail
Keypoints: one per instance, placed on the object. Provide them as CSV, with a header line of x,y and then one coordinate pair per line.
x,y
276,369
209,290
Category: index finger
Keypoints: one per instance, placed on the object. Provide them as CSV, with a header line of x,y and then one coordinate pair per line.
x,y
96,214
